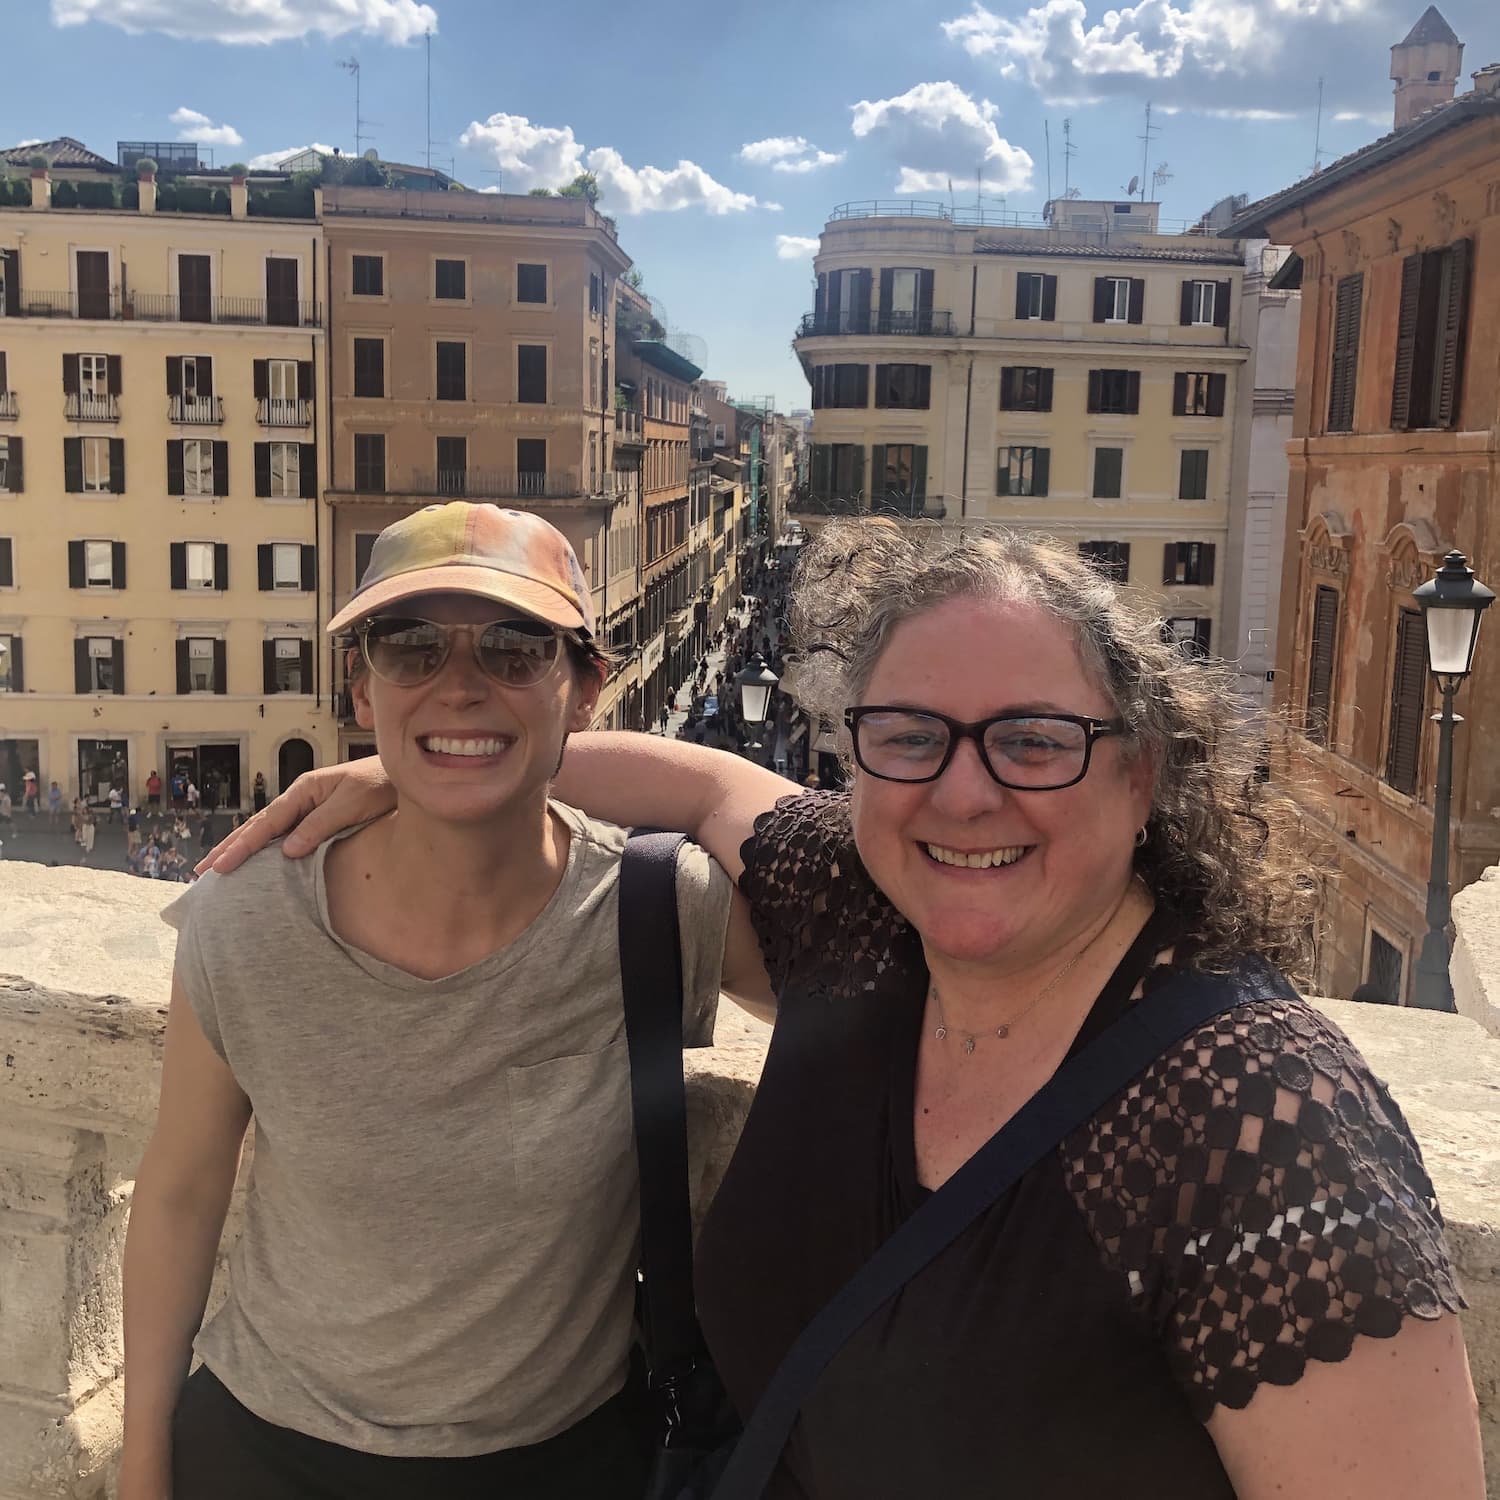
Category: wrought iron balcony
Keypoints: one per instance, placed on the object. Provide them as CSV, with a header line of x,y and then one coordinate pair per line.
x,y
882,324
283,411
82,407
196,411
9,405
154,307
488,484
892,504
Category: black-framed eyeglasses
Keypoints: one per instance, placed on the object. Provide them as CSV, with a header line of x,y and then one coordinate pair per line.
x,y
1027,752
409,651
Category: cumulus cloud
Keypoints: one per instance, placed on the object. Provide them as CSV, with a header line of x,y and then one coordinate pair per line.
x,y
250,22
1212,56
936,131
193,126
788,153
549,156
268,161
795,247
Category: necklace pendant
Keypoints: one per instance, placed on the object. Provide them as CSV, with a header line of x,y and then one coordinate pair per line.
x,y
941,1033
968,1045
1002,1032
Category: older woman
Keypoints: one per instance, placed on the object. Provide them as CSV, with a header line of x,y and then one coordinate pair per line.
x,y
1232,1280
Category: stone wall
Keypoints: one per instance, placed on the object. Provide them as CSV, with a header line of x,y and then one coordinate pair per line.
x,y
1475,966
85,966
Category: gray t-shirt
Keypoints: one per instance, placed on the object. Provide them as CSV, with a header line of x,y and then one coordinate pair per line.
x,y
442,1217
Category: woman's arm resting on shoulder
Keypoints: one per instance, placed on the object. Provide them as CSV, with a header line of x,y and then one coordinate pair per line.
x,y
642,781
1396,1419
177,1213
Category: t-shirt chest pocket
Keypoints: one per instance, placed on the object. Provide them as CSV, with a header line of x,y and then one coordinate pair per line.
x,y
571,1126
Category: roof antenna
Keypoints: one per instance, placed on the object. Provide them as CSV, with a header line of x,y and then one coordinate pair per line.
x,y
1317,165
1047,132
351,65
1145,139
1069,152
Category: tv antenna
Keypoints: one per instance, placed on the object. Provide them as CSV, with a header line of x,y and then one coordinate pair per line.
x,y
1069,152
1317,165
430,142
1145,140
351,65
1047,132
1159,177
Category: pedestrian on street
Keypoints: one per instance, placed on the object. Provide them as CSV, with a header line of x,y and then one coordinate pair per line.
x,y
54,805
132,831
116,802
6,825
258,791
86,834
153,791
206,833
31,793
665,718
192,795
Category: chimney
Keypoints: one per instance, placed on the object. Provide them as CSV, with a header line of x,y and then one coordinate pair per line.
x,y
145,171
239,195
1487,80
1425,67
41,184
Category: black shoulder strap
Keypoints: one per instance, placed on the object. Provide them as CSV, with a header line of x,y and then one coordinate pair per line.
x,y
651,969
1081,1086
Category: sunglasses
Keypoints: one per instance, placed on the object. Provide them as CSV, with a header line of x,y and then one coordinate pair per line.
x,y
408,651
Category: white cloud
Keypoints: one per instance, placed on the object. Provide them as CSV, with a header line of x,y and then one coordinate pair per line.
x,y
771,208
1215,55
193,126
936,130
1363,116
269,160
254,21
795,247
549,156
788,153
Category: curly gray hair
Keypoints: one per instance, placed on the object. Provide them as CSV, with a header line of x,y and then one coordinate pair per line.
x,y
1223,848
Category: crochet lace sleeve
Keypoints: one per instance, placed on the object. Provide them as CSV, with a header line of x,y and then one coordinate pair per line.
x,y
1262,1194
819,917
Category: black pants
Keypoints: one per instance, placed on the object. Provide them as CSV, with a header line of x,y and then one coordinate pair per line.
x,y
223,1451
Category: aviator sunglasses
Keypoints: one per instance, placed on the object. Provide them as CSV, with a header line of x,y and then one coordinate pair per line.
x,y
407,651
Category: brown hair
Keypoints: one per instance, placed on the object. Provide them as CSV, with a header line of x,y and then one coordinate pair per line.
x,y
1223,848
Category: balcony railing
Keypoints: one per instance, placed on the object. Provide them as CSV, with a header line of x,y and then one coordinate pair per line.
x,y
9,405
629,425
893,504
881,324
153,307
196,411
82,407
283,411
474,484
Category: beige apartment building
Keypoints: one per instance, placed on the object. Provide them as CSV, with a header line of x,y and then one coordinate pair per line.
x,y
471,355
160,380
1080,376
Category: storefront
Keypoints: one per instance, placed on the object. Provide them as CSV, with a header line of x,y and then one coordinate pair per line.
x,y
101,765
214,768
17,757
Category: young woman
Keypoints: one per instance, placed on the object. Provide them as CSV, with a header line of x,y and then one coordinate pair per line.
x,y
1231,1282
433,1290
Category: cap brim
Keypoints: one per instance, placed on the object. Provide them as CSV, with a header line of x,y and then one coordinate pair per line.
x,y
461,578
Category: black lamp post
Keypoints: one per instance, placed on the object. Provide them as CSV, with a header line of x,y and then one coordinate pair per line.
x,y
756,683
1452,605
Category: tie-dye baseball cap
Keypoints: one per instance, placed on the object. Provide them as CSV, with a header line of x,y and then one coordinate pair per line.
x,y
509,556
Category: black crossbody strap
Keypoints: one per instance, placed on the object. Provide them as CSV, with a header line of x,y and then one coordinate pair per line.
x,y
651,970
1081,1086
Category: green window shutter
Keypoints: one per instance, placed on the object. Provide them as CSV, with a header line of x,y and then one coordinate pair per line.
x,y
1185,307
1137,299
221,668
877,471
117,654
1049,299
73,465
221,566
184,670
117,466
176,484
268,666
178,565
80,666
1041,465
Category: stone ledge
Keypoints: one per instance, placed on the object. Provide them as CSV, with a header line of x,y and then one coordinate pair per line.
x,y
1475,965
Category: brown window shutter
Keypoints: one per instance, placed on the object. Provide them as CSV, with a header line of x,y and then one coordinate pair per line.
x,y
265,568
1406,341
174,375
117,466
221,468
1041,465
1096,386
1221,304
12,259
178,565
73,465
1002,471
205,375
261,379
309,561
307,460
1023,293
17,665
112,374
4,385
76,576
1179,393
184,672
305,379
1448,372
262,469
1132,391
305,663
1217,389
1103,300
268,666
80,666
862,386
70,374
924,385
1049,299
16,471
1007,387
1408,685
176,484
117,564
1185,306
887,291
1169,563
7,564
820,300
1137,299
221,672
1044,394
1325,626
221,566
117,654
1344,371
864,284
1206,551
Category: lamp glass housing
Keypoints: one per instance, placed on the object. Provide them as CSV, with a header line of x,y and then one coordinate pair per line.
x,y
1451,636
756,684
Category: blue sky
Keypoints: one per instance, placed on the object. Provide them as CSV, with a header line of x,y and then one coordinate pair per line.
x,y
724,134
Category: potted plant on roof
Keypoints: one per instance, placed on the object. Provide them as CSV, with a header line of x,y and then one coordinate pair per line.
x,y
145,169
238,172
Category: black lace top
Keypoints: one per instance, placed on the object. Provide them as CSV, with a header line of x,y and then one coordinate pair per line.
x,y
1252,1201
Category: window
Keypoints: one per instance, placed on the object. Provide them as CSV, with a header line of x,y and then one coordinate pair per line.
x,y
1111,558
286,566
719,435
1321,657
840,386
1188,562
199,560
1192,482
285,470
100,675
95,464
98,565
531,373
197,467
1022,471
281,379
290,666
1115,392
838,470
596,293
1198,303
368,275
364,545
11,676
1025,388
200,656
531,465
903,387
369,462
899,475
1191,633
1408,703
1430,332
1197,394
1383,972
10,466
1119,299
369,367
1344,373
7,563
452,371
531,283
451,279
1036,296
453,464
93,375
843,301
1109,465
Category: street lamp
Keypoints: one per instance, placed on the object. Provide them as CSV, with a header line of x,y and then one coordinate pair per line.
x,y
1452,604
756,683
